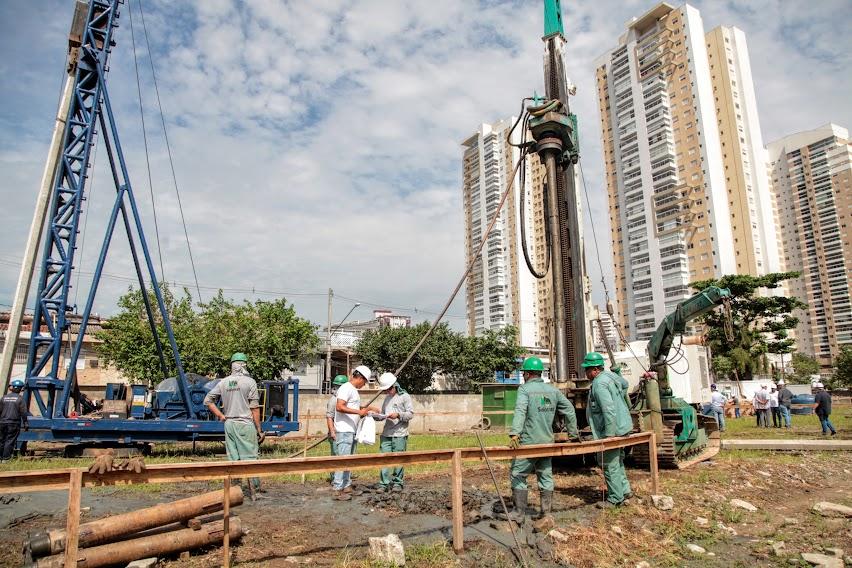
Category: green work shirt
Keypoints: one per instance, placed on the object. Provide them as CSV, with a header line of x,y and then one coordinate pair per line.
x,y
607,410
536,405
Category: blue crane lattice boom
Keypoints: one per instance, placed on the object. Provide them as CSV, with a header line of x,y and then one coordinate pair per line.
x,y
89,106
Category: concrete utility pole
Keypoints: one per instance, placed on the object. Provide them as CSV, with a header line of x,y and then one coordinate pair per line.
x,y
34,240
328,342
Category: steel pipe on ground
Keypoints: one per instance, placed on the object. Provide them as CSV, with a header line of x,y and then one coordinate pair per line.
x,y
120,553
115,527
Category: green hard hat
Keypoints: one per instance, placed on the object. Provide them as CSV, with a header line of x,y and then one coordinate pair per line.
x,y
340,380
592,360
239,357
532,364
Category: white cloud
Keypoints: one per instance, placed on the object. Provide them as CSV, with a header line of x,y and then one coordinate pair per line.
x,y
316,144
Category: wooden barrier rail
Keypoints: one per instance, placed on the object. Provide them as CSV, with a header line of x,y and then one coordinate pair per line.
x,y
73,479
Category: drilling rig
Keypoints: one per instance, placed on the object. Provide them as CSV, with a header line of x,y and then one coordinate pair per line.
x,y
60,412
683,436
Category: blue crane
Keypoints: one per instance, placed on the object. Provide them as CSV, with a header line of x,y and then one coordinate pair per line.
x,y
177,415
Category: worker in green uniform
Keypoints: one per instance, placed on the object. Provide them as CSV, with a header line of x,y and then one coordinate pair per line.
x,y
536,405
608,416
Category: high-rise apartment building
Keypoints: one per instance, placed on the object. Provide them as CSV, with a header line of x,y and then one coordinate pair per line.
x,y
812,186
500,289
685,168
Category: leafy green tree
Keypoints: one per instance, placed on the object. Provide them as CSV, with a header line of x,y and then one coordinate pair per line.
x,y
126,339
468,359
842,377
803,367
723,367
269,332
759,323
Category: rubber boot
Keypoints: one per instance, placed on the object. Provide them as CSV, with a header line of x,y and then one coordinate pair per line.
x,y
519,513
545,520
546,503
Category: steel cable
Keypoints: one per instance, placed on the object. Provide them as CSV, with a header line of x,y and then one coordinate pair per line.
x,y
145,143
474,259
169,151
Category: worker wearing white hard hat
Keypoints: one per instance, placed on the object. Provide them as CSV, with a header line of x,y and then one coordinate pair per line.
x,y
397,410
347,413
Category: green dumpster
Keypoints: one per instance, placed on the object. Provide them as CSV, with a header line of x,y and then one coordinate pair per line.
x,y
498,403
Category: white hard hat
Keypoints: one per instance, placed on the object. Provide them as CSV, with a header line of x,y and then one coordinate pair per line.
x,y
781,382
364,371
819,386
387,380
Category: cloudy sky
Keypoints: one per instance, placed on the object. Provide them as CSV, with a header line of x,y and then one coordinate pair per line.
x,y
317,144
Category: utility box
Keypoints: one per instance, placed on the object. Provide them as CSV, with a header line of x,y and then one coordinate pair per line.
x,y
138,400
115,409
498,403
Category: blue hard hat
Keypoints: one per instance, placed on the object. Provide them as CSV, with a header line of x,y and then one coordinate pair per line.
x,y
17,384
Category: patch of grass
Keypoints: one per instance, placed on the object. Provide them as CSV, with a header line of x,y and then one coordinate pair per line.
x,y
804,427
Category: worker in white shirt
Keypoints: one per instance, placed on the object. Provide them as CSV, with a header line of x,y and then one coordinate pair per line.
x,y
774,407
717,406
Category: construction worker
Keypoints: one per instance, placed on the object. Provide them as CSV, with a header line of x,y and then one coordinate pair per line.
x,y
536,405
608,417
398,411
241,405
331,407
785,402
348,412
13,417
822,409
717,406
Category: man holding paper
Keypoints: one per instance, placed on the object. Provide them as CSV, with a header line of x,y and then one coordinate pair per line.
x,y
397,412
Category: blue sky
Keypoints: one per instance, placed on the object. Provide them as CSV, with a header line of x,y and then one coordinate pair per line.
x,y
317,144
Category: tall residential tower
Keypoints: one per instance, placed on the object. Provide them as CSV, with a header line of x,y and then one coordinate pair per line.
x,y
500,289
685,167
812,185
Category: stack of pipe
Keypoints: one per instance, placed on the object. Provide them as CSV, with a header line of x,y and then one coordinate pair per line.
x,y
139,534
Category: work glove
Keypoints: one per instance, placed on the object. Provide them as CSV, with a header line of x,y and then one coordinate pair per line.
x,y
261,436
102,464
514,442
135,464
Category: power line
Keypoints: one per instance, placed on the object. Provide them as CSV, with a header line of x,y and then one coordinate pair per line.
x,y
169,150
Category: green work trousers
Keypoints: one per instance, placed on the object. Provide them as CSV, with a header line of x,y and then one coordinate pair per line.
x,y
522,467
617,486
241,443
388,477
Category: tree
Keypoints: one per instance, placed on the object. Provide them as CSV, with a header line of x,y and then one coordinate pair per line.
x,y
759,323
723,367
842,377
468,359
269,332
127,342
803,367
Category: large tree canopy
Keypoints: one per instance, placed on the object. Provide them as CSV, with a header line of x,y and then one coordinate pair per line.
x,y
269,332
467,359
759,323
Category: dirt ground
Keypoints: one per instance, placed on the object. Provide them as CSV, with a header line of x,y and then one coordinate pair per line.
x,y
296,524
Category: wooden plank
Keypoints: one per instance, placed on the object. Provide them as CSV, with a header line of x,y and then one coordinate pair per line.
x,y
652,460
457,501
226,523
202,471
72,523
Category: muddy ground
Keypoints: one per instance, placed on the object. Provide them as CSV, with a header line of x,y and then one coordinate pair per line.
x,y
300,524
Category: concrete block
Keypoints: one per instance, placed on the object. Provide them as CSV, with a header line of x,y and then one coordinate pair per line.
x,y
387,549
663,502
143,563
